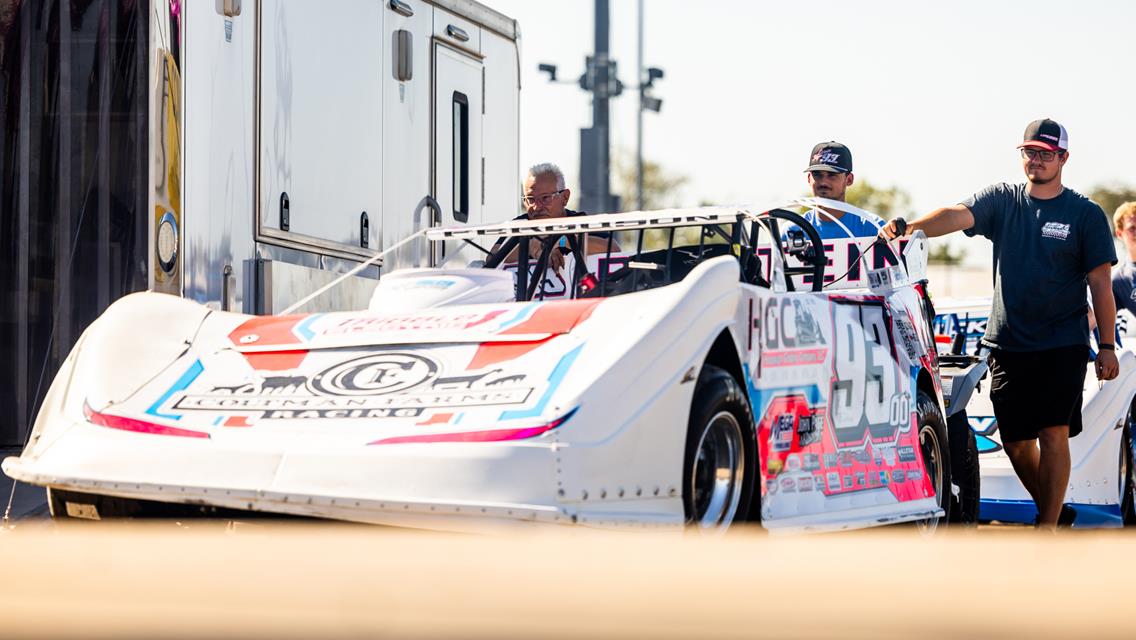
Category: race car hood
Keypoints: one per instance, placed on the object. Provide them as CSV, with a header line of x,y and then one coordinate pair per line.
x,y
364,378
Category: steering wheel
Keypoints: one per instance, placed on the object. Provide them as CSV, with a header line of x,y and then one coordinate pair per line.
x,y
816,248
526,289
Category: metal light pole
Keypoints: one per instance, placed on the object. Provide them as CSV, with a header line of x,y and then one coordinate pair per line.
x,y
595,156
639,116
602,81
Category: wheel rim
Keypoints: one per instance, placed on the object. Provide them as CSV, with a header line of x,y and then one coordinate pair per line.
x,y
716,478
932,459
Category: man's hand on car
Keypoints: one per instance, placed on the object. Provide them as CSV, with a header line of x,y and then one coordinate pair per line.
x,y
895,228
555,257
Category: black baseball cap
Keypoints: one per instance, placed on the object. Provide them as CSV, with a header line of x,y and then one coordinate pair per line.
x,y
830,156
1045,134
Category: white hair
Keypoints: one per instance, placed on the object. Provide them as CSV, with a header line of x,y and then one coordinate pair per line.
x,y
548,169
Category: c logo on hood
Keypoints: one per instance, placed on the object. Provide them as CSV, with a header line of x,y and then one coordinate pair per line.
x,y
376,374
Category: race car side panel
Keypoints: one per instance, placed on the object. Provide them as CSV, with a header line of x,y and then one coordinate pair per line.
x,y
647,349
833,387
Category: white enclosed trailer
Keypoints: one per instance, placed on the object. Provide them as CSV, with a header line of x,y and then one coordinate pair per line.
x,y
235,152
292,139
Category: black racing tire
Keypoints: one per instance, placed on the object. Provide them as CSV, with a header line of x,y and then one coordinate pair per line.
x,y
720,435
935,449
1127,472
965,471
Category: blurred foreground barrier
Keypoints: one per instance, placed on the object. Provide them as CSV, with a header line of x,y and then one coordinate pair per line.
x,y
304,581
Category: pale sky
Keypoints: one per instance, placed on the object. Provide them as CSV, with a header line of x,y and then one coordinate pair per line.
x,y
931,97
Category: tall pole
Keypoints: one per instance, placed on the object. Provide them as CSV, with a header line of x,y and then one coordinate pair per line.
x,y
601,104
595,156
639,124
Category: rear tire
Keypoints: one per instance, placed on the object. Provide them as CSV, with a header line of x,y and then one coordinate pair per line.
x,y
934,447
1127,474
965,470
720,464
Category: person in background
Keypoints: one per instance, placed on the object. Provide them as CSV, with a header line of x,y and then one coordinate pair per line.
x,y
1124,277
1048,240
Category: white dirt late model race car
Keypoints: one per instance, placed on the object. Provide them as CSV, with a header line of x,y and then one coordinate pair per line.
x,y
701,367
1102,481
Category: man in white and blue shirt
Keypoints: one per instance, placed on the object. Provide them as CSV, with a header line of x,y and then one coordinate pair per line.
x,y
829,176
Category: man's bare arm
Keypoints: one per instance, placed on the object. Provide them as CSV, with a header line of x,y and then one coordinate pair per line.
x,y
939,222
1104,307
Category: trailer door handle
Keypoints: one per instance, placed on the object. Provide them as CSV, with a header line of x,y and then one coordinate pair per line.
x,y
401,8
457,33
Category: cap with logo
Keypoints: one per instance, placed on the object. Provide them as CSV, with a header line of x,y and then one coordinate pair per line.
x,y
1045,134
830,156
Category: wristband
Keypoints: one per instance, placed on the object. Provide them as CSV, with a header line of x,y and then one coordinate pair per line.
x,y
1106,347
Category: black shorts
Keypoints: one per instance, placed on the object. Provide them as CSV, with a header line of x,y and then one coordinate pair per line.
x,y
1032,390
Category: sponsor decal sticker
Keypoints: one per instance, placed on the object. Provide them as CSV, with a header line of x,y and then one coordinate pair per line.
x,y
810,462
911,343
889,455
808,430
375,374
782,434
379,385
793,462
833,481
906,453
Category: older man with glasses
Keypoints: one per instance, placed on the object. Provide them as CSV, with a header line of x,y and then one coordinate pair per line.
x,y
546,196
1048,240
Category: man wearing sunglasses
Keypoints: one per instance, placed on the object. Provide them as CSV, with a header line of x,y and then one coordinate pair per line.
x,y
1048,240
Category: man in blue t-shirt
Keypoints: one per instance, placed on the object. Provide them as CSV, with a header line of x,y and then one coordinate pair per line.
x,y
830,175
1048,240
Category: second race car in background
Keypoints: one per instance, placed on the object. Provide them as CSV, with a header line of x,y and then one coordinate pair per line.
x,y
1103,479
